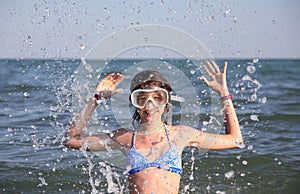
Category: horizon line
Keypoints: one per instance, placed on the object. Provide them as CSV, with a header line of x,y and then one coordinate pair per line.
x,y
151,58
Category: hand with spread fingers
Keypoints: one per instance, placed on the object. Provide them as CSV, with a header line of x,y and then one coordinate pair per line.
x,y
107,86
217,78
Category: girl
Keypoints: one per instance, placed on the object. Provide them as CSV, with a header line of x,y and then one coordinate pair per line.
x,y
153,149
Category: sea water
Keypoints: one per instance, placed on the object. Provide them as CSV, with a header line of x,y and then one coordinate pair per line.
x,y
36,110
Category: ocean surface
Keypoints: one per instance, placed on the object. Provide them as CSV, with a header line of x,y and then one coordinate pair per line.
x,y
36,107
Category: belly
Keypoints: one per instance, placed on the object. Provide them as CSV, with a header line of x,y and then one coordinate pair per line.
x,y
154,180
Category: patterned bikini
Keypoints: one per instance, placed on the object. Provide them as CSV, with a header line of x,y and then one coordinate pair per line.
x,y
170,161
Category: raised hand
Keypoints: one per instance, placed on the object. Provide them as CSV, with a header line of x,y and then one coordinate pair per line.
x,y
217,79
107,86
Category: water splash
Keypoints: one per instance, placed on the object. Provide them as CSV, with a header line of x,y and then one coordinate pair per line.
x,y
229,174
102,178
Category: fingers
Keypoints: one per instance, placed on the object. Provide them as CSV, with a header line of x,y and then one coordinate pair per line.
x,y
110,82
213,71
213,67
204,80
216,67
118,78
113,79
225,68
207,70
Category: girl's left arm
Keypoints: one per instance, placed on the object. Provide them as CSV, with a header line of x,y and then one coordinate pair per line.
x,y
233,137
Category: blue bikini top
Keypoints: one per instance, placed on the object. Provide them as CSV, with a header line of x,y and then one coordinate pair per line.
x,y
170,160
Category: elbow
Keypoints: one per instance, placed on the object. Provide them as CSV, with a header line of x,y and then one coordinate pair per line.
x,y
67,142
238,141
72,132
233,141
74,142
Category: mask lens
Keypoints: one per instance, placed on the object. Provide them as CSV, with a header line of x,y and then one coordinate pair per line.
x,y
157,96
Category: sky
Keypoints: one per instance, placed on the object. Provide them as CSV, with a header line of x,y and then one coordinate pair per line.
x,y
228,29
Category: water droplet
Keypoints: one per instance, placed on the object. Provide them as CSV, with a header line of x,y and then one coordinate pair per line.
x,y
255,60
193,71
246,78
211,17
186,187
240,145
251,69
253,97
227,12
191,177
205,123
234,19
254,117
229,174
82,47
25,94
208,187
263,100
28,40
43,181
250,147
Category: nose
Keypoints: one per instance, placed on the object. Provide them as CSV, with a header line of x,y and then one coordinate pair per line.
x,y
149,104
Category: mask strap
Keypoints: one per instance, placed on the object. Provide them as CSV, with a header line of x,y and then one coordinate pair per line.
x,y
168,116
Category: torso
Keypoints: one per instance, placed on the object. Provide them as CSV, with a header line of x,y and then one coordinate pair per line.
x,y
159,153
154,179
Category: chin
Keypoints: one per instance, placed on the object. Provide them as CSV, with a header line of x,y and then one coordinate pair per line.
x,y
152,118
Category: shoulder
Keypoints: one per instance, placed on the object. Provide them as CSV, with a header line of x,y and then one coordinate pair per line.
x,y
119,132
182,133
122,136
181,129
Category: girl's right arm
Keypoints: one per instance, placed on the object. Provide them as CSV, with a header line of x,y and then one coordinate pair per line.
x,y
74,138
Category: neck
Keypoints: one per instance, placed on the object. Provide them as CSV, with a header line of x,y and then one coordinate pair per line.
x,y
151,128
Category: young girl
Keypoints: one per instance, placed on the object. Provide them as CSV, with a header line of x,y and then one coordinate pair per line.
x,y
153,149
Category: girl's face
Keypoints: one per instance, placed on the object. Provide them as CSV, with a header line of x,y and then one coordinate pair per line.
x,y
150,103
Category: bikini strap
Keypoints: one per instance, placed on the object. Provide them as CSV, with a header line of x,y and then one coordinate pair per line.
x,y
133,139
167,133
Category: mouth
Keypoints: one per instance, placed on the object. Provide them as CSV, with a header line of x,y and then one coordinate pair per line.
x,y
151,113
